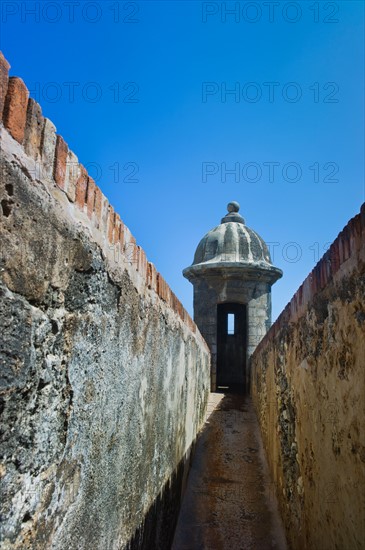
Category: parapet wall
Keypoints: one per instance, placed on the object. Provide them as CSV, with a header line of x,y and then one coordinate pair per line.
x,y
104,376
49,160
308,387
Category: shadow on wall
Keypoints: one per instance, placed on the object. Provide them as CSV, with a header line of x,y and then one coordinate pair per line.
x,y
158,529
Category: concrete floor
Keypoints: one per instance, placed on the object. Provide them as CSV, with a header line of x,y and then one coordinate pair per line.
x,y
229,501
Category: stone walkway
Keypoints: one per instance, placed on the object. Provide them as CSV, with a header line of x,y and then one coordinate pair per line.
x,y
229,501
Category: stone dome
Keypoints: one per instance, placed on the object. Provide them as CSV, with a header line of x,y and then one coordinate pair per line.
x,y
232,245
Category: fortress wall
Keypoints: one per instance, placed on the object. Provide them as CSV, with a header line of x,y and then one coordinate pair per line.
x,y
308,387
104,376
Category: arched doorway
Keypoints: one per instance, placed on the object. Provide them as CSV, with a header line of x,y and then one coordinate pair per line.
x,y
231,347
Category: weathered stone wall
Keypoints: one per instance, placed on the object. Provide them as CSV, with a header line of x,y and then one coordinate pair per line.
x,y
309,393
104,376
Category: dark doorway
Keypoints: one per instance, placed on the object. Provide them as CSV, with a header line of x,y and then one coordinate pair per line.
x,y
231,347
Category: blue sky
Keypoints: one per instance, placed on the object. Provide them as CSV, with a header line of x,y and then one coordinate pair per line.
x,y
140,91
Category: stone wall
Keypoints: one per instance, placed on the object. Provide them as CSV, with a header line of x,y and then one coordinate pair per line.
x,y
104,376
308,390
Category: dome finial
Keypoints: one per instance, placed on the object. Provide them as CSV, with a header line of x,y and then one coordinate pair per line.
x,y
233,215
233,206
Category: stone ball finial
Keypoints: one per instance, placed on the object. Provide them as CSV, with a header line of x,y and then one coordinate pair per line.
x,y
233,215
233,206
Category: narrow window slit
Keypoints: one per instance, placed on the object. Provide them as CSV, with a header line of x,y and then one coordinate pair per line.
x,y
230,323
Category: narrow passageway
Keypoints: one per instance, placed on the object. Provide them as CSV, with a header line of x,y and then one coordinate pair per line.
x,y
229,501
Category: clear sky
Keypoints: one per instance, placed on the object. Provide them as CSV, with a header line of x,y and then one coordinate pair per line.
x,y
141,93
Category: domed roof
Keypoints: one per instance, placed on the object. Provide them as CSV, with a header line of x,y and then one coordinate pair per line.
x,y
233,245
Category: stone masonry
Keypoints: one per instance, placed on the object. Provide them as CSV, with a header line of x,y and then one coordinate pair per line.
x,y
104,376
308,389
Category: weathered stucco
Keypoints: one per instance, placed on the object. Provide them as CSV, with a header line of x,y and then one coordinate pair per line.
x,y
104,378
308,389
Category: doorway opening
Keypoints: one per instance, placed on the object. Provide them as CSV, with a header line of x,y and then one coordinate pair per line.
x,y
231,347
